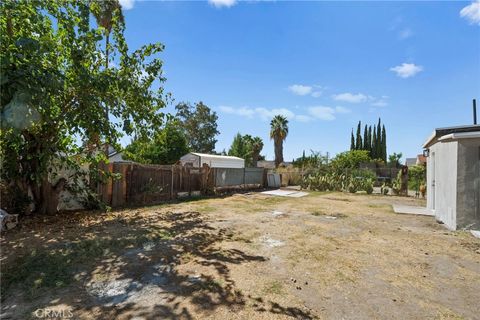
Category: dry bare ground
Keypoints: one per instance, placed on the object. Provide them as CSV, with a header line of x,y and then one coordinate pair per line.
x,y
247,256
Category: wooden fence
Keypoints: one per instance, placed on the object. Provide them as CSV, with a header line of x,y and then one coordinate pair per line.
x,y
137,184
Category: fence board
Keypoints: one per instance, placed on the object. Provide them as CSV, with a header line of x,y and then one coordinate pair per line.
x,y
137,184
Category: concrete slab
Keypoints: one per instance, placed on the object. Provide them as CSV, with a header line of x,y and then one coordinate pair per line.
x,y
298,194
404,209
475,233
285,193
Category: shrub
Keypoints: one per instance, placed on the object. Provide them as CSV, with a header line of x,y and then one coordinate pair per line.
x,y
416,177
14,200
349,160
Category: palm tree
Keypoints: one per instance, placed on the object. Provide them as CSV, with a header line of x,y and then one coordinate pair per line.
x,y
257,146
106,12
278,132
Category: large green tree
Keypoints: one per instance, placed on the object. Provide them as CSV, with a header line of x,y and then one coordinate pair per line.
x,y
239,147
374,153
384,144
257,146
358,143
352,142
366,143
166,147
349,160
394,159
54,89
378,144
199,124
246,147
278,132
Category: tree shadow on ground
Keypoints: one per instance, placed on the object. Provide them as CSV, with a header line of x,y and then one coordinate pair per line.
x,y
126,266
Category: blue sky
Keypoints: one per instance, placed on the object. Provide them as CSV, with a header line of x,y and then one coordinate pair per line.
x,y
325,65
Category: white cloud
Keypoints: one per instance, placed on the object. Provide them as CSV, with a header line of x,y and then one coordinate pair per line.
x,y
222,3
127,4
472,12
322,113
359,98
263,113
303,118
243,111
303,90
405,33
300,90
350,97
406,70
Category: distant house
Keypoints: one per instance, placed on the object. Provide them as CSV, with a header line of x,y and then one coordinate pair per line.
x,y
420,160
114,155
212,160
453,176
410,162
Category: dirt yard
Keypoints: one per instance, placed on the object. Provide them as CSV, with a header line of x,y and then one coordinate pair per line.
x,y
247,256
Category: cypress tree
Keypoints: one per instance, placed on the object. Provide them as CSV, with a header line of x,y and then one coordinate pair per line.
x,y
378,145
384,144
352,142
370,140
358,145
374,143
365,138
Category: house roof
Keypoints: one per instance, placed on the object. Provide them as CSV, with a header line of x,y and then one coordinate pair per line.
x,y
215,156
457,132
421,159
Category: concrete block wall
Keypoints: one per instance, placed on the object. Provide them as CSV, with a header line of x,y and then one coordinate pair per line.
x,y
468,184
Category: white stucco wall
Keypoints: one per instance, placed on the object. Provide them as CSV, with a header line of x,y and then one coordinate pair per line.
x,y
442,182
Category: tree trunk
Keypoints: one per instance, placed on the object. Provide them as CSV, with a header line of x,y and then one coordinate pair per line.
x,y
255,156
46,196
278,151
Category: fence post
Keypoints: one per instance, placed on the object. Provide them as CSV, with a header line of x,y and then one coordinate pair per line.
x,y
171,185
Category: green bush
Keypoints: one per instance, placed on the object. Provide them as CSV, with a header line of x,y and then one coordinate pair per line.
x,y
349,160
13,199
416,177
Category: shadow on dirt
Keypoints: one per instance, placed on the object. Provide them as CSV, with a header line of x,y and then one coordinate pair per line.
x,y
128,267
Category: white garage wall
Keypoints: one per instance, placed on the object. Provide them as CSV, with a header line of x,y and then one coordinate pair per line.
x,y
443,155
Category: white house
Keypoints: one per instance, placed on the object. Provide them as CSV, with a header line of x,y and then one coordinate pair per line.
x,y
214,161
453,176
